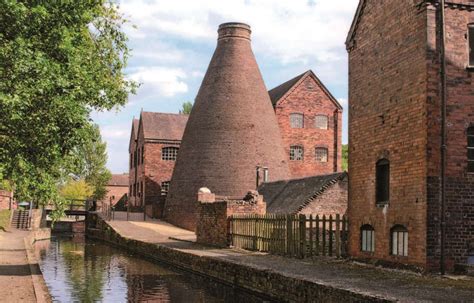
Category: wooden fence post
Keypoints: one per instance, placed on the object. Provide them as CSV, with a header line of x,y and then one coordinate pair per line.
x,y
288,235
338,236
302,230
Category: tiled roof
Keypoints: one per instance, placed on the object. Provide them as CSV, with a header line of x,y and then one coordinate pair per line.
x,y
278,92
290,196
163,126
135,128
118,180
281,91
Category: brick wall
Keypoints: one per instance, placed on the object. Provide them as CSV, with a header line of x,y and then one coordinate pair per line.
x,y
332,201
387,97
309,99
5,198
114,194
213,224
460,115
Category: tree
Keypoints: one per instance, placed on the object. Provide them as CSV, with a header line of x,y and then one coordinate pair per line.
x,y
345,156
59,60
187,107
76,190
91,161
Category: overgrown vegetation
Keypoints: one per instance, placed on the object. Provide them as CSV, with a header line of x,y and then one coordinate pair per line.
x,y
187,108
4,219
59,60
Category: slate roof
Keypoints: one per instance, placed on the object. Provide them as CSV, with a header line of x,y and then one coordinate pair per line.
x,y
119,180
291,196
278,92
281,91
163,126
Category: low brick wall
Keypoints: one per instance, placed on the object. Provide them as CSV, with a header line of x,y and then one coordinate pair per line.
x,y
267,283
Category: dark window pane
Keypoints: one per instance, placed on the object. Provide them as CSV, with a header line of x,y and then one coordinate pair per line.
x,y
470,141
470,166
382,175
471,45
470,154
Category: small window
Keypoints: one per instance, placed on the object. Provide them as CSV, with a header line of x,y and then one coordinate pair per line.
x,y
321,154
470,149
367,238
296,153
382,182
165,187
297,120
321,122
399,235
169,153
471,44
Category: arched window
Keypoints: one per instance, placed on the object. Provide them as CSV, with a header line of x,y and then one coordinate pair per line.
x,y
169,153
471,44
382,181
321,154
470,149
367,238
321,122
399,240
296,120
296,153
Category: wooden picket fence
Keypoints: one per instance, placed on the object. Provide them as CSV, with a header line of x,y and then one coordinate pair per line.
x,y
297,236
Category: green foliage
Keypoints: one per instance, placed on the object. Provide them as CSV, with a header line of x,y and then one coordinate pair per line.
x,y
77,190
90,163
59,60
4,219
345,157
187,108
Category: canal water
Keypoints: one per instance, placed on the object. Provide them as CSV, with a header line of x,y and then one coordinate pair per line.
x,y
80,270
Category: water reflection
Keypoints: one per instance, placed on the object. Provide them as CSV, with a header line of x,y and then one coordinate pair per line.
x,y
78,270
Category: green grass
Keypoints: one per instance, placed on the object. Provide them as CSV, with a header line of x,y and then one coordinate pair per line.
x,y
4,219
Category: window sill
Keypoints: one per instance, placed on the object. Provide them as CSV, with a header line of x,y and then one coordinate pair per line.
x,y
470,68
382,204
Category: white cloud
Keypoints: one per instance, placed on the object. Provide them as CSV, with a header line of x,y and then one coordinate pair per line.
x,y
162,81
292,30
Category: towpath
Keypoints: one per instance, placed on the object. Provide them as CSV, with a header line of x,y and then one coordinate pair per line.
x,y
388,284
15,273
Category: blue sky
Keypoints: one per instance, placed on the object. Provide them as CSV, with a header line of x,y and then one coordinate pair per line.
x,y
172,43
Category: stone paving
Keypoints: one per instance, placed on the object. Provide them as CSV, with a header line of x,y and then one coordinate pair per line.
x,y
16,283
390,284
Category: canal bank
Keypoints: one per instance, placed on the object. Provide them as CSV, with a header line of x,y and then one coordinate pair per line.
x,y
320,280
20,274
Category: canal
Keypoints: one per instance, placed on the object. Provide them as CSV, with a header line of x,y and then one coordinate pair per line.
x,y
80,270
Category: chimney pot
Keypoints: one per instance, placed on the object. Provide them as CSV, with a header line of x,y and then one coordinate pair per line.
x,y
234,30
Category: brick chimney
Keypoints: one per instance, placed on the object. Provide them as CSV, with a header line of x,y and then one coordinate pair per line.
x,y
231,130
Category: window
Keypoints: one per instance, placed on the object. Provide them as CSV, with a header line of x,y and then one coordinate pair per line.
x,y
382,182
297,120
296,153
321,154
399,235
367,238
165,187
169,153
470,149
471,44
321,122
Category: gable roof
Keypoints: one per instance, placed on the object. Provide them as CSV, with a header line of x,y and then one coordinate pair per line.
x,y
133,133
163,126
355,23
118,180
283,90
291,196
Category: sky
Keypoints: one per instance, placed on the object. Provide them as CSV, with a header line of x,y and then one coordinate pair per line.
x,y
172,42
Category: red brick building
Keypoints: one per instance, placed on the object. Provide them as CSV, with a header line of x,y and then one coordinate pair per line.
x,y
6,200
154,143
310,121
395,133
117,189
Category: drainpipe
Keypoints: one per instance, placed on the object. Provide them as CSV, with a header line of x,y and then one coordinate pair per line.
x,y
442,28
